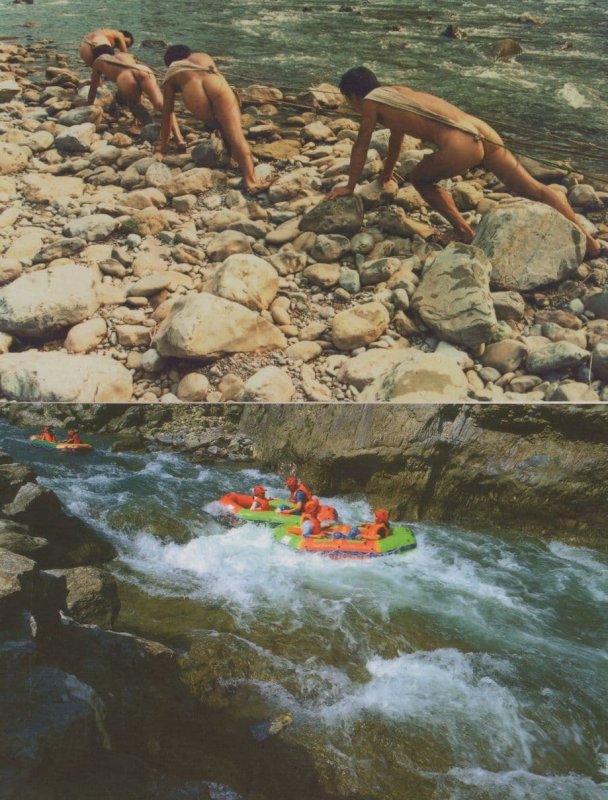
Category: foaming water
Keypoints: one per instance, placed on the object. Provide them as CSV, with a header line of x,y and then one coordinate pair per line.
x,y
488,652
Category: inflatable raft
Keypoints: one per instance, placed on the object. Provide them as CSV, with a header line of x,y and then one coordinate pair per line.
x,y
400,540
62,447
240,506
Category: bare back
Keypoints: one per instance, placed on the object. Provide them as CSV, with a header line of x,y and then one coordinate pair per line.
x,y
201,87
429,130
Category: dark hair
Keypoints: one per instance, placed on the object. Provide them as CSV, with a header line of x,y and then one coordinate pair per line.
x,y
177,52
358,81
103,50
128,35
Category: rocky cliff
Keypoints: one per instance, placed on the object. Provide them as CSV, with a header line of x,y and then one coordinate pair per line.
x,y
536,469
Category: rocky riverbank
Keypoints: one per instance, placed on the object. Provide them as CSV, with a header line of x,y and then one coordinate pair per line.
x,y
89,712
124,277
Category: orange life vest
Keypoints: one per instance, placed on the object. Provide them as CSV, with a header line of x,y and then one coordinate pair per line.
x,y
374,530
301,488
260,504
47,437
316,525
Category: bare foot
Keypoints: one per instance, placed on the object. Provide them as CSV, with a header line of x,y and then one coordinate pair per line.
x,y
594,248
259,186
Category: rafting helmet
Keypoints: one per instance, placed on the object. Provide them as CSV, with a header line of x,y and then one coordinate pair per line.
x,y
259,491
291,482
381,515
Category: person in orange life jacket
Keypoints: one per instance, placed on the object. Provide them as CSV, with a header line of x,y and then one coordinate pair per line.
x,y
260,503
310,524
73,438
47,435
299,495
378,529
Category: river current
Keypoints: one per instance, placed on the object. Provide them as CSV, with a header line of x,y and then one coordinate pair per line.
x,y
481,660
555,86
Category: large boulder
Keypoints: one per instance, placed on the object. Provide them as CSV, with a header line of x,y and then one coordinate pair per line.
x,y
530,245
92,595
343,215
63,378
359,326
453,297
245,279
43,303
203,325
419,378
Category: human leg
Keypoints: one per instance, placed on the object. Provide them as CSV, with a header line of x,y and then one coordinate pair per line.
x,y
516,178
227,113
459,154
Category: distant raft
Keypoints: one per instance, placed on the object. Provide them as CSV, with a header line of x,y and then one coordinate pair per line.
x,y
400,539
240,506
62,447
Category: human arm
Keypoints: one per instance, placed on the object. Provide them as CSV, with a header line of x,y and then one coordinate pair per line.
x,y
359,151
95,83
120,41
167,118
394,149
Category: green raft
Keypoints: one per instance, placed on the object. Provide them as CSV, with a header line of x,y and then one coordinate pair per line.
x,y
400,540
268,517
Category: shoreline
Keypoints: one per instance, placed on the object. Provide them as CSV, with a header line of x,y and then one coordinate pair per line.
x,y
141,280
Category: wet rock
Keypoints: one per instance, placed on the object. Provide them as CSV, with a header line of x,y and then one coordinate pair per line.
x,y
359,326
419,378
530,245
329,249
263,730
58,377
245,279
506,49
555,357
205,325
268,385
573,392
21,543
80,116
42,303
343,216
92,595
453,296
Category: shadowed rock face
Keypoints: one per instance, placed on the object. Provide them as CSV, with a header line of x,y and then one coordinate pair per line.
x,y
540,470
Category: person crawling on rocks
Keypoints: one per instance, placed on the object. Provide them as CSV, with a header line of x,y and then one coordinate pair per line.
x,y
132,79
461,142
119,40
209,97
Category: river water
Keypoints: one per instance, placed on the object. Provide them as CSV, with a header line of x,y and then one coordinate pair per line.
x,y
475,665
556,86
